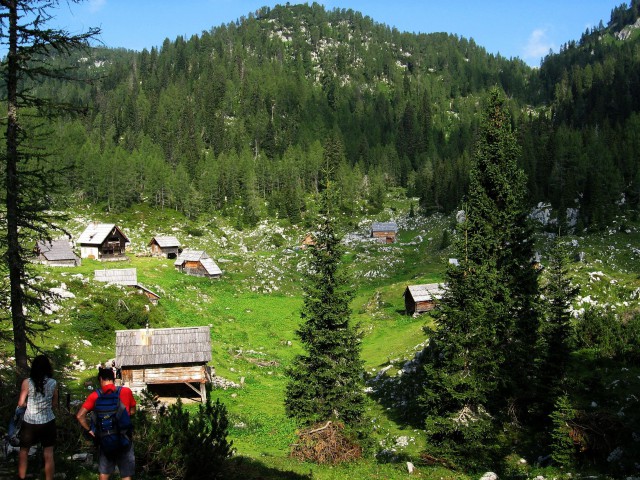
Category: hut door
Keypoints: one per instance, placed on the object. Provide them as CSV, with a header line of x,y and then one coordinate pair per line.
x,y
127,376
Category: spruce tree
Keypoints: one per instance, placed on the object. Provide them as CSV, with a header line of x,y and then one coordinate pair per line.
x,y
555,328
30,174
326,381
479,370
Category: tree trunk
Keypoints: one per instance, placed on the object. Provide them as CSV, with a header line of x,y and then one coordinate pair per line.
x,y
14,257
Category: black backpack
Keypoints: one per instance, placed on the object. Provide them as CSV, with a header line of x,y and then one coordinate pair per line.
x,y
111,423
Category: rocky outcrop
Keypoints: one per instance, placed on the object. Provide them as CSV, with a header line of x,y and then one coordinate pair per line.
x,y
627,31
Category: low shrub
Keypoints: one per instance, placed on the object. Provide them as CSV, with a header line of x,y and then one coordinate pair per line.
x,y
609,336
175,444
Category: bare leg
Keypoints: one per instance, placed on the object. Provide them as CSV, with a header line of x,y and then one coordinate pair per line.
x,y
49,463
23,459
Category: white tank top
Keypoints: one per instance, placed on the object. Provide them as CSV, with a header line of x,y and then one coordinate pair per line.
x,y
39,406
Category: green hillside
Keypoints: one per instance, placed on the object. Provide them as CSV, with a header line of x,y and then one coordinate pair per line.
x,y
253,312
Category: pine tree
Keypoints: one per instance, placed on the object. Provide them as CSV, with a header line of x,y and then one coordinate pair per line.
x,y
30,175
325,382
479,368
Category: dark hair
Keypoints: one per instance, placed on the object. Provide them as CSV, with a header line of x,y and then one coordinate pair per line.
x,y
106,374
40,370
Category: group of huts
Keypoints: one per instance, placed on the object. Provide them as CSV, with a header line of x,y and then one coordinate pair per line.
x,y
150,357
381,232
156,357
107,242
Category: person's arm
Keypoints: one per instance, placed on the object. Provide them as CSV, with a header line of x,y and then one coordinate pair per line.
x,y
81,416
24,393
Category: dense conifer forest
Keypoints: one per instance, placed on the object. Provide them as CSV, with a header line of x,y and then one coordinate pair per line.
x,y
247,117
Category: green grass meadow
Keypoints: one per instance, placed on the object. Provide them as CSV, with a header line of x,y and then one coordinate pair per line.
x,y
254,311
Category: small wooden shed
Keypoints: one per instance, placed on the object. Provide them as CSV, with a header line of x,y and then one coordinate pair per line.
x,y
56,253
117,276
385,232
152,296
165,246
308,241
127,277
422,298
197,263
103,241
157,356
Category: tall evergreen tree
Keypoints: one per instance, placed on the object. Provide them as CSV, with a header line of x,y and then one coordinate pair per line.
x,y
29,174
478,373
326,382
555,328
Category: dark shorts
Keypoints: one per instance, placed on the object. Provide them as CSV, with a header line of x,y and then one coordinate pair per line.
x,y
126,462
44,434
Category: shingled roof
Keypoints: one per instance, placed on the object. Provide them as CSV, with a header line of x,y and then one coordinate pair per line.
x,y
163,346
96,233
384,227
165,241
198,256
118,276
426,292
54,250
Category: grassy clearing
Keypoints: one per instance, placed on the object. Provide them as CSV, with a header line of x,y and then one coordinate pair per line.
x,y
253,312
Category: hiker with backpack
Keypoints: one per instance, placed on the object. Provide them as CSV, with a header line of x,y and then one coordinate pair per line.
x,y
110,409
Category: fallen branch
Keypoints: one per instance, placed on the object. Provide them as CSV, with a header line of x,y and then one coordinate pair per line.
x,y
319,429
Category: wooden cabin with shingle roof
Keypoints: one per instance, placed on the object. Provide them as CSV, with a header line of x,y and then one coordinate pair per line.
x,y
118,276
103,241
197,263
165,246
385,232
422,298
56,253
161,356
127,277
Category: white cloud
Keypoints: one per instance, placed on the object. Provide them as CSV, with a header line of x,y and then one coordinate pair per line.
x,y
538,45
96,5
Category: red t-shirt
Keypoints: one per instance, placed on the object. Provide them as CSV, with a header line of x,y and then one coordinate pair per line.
x,y
126,397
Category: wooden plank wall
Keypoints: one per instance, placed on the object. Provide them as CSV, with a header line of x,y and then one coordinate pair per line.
x,y
139,377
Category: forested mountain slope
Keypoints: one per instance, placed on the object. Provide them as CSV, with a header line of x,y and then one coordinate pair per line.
x,y
261,108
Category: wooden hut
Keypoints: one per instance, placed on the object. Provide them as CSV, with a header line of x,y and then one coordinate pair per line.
x,y
385,232
103,241
161,356
422,298
308,241
152,296
127,277
165,246
197,263
118,276
56,253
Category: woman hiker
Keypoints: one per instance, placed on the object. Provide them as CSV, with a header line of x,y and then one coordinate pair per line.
x,y
39,393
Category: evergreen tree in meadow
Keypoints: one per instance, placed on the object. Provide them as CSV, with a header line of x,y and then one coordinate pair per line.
x,y
325,383
555,328
479,371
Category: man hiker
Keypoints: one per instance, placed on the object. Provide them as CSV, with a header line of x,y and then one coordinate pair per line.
x,y
124,458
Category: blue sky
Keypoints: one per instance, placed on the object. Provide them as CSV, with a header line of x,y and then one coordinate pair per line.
x,y
527,29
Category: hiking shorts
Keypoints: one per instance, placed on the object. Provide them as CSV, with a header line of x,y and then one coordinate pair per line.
x,y
125,461
33,433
